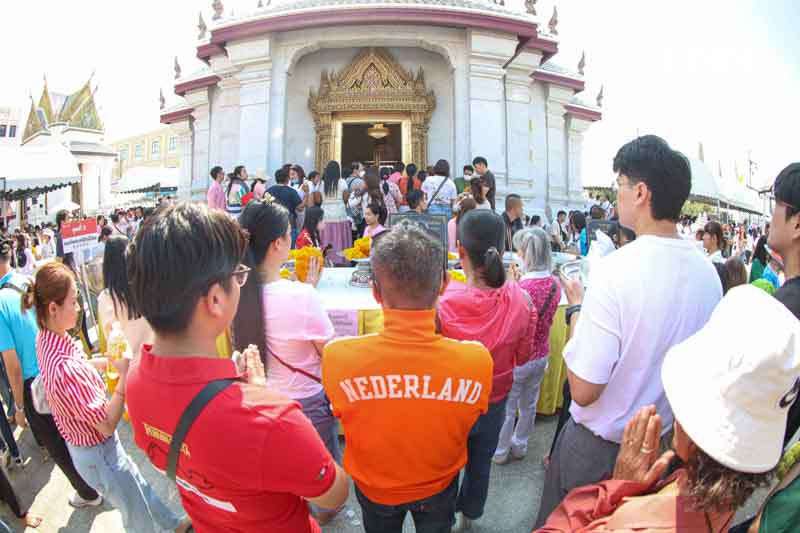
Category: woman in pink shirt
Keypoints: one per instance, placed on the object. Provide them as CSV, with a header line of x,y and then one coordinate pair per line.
x,y
374,216
216,194
287,321
497,313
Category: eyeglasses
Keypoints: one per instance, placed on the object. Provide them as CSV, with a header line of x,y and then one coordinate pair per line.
x,y
240,275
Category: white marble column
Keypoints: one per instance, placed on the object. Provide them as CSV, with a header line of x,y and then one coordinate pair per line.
x,y
576,128
556,141
488,53
184,130
199,179
253,62
518,100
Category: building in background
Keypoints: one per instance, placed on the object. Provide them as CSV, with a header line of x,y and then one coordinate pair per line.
x,y
74,121
10,128
157,149
308,81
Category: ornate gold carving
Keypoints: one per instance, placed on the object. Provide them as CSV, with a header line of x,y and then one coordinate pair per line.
x,y
373,82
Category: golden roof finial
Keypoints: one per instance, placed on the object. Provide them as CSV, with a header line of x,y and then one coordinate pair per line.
x,y
552,25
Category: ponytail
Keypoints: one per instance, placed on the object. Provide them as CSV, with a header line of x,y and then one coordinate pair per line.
x,y
385,187
494,273
29,297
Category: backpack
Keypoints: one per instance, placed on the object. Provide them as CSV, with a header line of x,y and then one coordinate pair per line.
x,y
22,259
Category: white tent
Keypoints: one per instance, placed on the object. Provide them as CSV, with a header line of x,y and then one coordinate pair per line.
x,y
37,168
704,184
139,179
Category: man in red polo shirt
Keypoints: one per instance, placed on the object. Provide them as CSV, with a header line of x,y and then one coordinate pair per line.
x,y
251,459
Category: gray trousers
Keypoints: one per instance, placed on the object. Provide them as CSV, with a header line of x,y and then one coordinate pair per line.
x,y
580,458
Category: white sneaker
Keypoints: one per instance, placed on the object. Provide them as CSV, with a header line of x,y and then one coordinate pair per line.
x,y
5,458
462,523
500,459
77,502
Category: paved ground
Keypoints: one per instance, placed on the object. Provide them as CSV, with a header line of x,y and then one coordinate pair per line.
x,y
513,502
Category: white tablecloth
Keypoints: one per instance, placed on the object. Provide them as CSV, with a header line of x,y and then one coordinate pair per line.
x,y
338,294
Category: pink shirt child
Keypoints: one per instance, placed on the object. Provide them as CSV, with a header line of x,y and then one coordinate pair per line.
x,y
216,196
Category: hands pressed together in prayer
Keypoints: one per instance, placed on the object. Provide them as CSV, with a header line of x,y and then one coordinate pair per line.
x,y
640,458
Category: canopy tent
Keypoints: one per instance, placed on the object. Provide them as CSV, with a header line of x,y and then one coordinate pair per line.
x,y
148,179
707,188
34,170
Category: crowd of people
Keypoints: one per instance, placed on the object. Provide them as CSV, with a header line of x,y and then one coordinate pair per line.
x,y
682,373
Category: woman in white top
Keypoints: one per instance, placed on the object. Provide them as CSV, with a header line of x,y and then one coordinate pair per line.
x,y
25,261
479,189
713,241
440,191
115,304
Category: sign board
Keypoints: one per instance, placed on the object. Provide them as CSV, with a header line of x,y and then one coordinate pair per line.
x,y
79,235
435,225
609,227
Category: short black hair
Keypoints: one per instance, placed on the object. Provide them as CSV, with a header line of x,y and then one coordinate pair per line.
x,y
399,166
513,200
442,168
665,171
115,217
597,213
480,160
787,189
408,261
281,176
355,165
177,256
214,171
468,167
562,212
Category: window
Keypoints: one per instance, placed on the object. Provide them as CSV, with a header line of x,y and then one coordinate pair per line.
x,y
172,147
123,154
12,130
155,149
138,152
2,130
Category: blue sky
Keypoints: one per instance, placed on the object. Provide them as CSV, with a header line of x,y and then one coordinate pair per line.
x,y
721,72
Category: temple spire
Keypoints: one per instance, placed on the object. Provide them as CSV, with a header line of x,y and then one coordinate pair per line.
x,y
201,26
553,21
177,68
530,7
162,100
600,97
218,8
582,63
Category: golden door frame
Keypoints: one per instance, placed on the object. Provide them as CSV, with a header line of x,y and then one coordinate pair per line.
x,y
373,88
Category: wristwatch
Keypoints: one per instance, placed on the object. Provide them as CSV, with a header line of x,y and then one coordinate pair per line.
x,y
571,310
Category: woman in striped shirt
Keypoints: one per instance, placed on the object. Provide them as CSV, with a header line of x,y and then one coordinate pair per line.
x,y
85,417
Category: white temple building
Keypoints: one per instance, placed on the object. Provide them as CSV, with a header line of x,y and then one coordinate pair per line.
x,y
301,81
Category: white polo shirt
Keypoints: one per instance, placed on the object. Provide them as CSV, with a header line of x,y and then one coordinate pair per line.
x,y
642,299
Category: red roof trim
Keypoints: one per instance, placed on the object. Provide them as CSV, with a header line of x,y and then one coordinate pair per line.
x,y
585,113
558,79
206,81
175,116
548,48
336,17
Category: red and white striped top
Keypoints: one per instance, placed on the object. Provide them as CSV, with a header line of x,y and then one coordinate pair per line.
x,y
75,391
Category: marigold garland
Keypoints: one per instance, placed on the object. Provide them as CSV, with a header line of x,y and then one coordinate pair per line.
x,y
301,258
360,249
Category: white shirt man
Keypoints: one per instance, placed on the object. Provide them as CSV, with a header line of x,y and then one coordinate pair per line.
x,y
642,300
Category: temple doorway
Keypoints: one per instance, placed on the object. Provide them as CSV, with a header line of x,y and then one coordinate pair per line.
x,y
379,144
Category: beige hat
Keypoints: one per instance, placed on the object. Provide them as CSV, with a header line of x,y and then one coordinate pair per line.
x,y
731,384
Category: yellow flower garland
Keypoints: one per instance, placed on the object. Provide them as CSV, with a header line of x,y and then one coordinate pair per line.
x,y
301,258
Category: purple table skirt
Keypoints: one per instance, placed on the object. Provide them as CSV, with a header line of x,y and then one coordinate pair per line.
x,y
340,235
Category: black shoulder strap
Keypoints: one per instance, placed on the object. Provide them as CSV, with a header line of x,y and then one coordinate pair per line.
x,y
436,194
549,297
9,285
187,419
